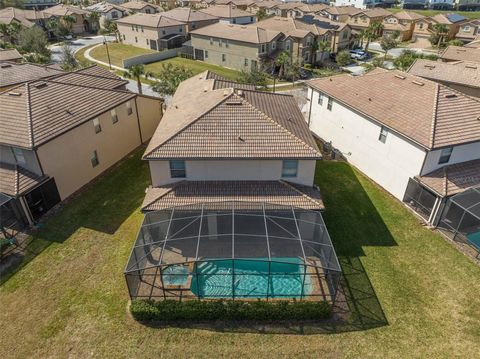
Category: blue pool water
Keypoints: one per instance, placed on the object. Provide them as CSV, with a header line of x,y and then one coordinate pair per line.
x,y
175,275
474,239
251,279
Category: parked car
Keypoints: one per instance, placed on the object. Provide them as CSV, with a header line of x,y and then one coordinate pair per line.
x,y
358,54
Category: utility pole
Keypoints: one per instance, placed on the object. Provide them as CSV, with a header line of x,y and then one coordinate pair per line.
x,y
108,53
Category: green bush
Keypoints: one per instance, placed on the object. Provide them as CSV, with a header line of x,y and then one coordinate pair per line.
x,y
170,310
343,58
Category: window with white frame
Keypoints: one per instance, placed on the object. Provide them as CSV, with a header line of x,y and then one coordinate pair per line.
x,y
114,116
245,63
224,57
19,157
206,54
383,134
211,41
445,155
96,125
129,108
329,103
177,169
289,168
320,98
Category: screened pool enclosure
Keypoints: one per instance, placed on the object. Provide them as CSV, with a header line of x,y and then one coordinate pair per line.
x,y
233,250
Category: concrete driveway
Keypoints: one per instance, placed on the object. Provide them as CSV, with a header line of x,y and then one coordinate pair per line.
x,y
396,52
78,44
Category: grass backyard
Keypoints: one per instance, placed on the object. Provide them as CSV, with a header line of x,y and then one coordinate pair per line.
x,y
467,14
410,292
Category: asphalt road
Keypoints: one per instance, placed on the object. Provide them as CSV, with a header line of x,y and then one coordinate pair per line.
x,y
77,44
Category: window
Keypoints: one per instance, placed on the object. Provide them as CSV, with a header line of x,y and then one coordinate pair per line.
x,y
329,103
289,168
320,99
129,108
211,41
206,54
194,26
287,45
113,113
274,45
345,35
220,42
445,155
180,29
251,18
177,169
136,28
163,32
124,37
226,43
224,57
114,15
262,48
133,28
96,125
383,134
18,154
147,11
136,40
141,28
147,42
466,28
245,63
94,159
234,20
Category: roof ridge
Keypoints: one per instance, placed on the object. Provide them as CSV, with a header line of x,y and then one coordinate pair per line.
x,y
286,183
29,115
83,86
189,124
279,125
434,115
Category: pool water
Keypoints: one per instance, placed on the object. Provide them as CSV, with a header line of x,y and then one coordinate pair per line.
x,y
175,275
251,279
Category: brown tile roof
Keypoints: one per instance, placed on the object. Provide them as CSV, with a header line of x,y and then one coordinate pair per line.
x,y
408,15
62,10
288,26
186,14
202,122
137,5
453,179
458,72
475,43
323,23
15,180
93,76
24,17
461,53
250,34
342,10
226,11
9,55
399,27
36,112
376,12
191,192
17,73
221,82
149,20
431,114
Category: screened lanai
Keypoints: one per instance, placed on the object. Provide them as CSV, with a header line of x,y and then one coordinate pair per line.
x,y
233,250
461,217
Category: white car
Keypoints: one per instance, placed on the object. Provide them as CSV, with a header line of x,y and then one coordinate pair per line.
x,y
358,54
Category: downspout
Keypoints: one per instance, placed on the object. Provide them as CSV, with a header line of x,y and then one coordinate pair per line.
x,y
310,108
138,121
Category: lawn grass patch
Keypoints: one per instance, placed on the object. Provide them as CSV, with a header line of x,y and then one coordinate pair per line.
x,y
118,52
468,14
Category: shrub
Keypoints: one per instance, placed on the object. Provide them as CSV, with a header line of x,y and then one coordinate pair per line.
x,y
195,310
343,58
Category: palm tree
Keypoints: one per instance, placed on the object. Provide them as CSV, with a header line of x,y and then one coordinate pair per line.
x,y
313,52
112,28
135,72
440,30
52,26
4,31
372,33
13,30
69,21
93,18
323,46
283,59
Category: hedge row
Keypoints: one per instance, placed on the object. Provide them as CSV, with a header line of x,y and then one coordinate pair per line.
x,y
168,310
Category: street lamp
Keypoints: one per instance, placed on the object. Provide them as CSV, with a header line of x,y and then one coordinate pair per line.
x,y
108,53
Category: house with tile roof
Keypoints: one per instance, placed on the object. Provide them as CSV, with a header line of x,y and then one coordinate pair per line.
x,y
469,31
341,33
463,76
83,23
139,6
58,133
240,47
230,14
108,11
10,55
461,53
194,19
403,22
374,123
223,141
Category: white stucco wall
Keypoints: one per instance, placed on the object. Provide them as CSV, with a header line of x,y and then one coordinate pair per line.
x,y
390,164
243,20
460,153
234,170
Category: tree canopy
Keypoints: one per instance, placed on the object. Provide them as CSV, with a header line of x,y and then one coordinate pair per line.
x,y
170,77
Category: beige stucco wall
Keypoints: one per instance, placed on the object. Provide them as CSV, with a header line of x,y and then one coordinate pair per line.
x,y
236,52
232,170
149,114
67,157
138,38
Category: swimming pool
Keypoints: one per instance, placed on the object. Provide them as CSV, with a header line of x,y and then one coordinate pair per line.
x,y
250,279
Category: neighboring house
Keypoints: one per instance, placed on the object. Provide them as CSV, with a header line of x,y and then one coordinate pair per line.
x,y
193,19
475,43
25,18
83,23
301,9
468,5
108,11
469,31
413,4
38,4
363,19
240,4
299,38
440,4
254,7
12,74
235,46
58,134
230,14
461,53
152,31
360,4
341,37
463,76
138,6
339,13
397,128
403,22
221,141
10,55
451,20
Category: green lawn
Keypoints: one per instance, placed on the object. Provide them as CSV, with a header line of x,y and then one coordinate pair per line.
x,y
118,52
467,14
411,293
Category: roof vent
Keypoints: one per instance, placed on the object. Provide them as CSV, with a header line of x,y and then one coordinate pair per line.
x,y
430,66
40,85
234,103
4,66
12,93
418,83
400,77
241,138
370,99
240,93
471,67
226,92
450,95
205,89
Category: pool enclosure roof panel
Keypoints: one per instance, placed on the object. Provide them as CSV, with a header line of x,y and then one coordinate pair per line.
x,y
469,201
232,230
